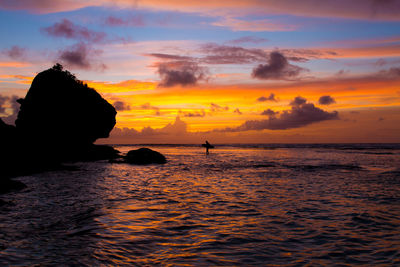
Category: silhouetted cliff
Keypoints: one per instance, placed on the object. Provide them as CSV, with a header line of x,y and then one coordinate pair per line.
x,y
61,113
60,118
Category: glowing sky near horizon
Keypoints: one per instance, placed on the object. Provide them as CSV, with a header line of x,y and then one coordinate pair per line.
x,y
230,71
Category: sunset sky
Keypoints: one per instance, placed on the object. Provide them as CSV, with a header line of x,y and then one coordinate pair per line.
x,y
237,71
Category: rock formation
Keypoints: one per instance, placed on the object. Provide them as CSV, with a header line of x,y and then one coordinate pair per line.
x,y
63,115
59,120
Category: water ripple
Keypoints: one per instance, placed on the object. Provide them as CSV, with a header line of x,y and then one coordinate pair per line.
x,y
281,206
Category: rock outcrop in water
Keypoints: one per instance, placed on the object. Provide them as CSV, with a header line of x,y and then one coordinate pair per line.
x,y
59,120
144,156
63,115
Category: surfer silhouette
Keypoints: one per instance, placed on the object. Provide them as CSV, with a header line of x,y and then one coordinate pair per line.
x,y
207,145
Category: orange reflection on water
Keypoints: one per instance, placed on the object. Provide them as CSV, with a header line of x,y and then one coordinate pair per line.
x,y
276,203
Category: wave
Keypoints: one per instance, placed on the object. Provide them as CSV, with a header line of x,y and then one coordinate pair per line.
x,y
328,167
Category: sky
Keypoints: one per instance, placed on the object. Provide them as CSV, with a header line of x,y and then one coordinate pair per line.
x,y
237,71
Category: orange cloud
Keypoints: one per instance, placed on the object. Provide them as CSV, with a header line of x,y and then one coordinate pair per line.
x,y
13,64
367,52
121,87
19,79
356,9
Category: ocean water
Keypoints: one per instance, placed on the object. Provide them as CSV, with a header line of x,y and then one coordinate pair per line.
x,y
268,205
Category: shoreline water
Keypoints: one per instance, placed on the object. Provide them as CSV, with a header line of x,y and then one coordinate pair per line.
x,y
250,206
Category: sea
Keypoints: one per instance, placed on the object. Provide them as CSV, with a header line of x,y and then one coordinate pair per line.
x,y
241,205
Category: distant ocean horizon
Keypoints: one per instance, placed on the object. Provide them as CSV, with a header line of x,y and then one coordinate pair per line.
x,y
257,144
272,145
241,205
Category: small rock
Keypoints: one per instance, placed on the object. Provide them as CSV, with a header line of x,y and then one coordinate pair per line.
x,y
145,156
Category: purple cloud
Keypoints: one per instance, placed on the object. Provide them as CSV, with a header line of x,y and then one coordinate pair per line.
x,y
298,116
326,100
298,100
248,39
15,52
76,56
271,97
135,20
169,56
380,62
237,111
80,56
217,108
223,54
277,67
200,114
390,73
181,73
302,55
269,112
69,30
121,106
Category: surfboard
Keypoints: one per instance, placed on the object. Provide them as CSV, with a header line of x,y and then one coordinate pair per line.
x,y
209,146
